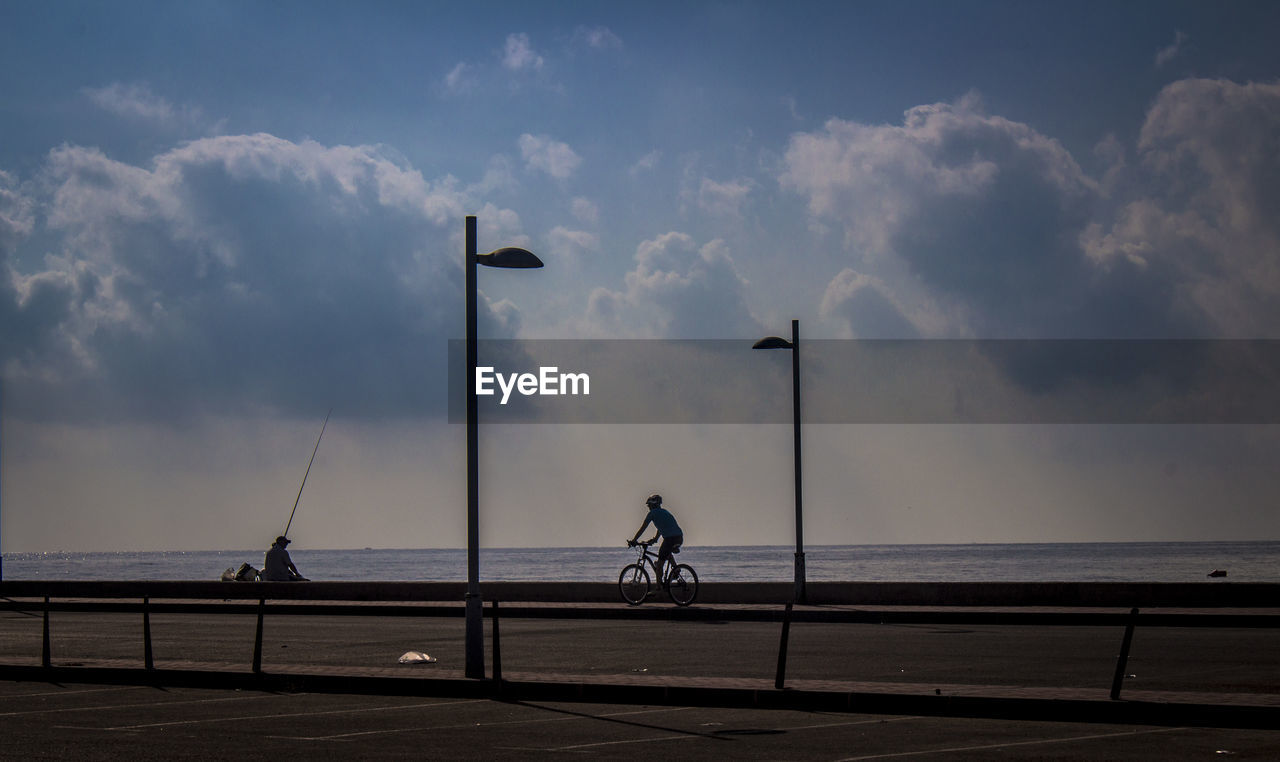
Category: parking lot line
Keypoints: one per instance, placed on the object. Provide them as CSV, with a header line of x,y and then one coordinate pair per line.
x,y
123,706
1012,744
242,718
388,731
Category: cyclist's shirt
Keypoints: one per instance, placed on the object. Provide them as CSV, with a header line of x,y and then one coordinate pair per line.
x,y
663,521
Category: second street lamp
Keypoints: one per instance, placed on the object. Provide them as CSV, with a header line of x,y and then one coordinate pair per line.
x,y
505,257
774,342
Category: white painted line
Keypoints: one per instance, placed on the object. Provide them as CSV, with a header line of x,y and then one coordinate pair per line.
x,y
419,728
415,729
291,714
847,724
122,706
1012,744
681,737
712,734
660,710
73,693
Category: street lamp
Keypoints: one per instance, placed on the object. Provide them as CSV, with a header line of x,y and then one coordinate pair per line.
x,y
505,257
774,342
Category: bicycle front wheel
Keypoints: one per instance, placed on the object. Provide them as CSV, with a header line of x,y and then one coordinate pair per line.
x,y
683,585
633,583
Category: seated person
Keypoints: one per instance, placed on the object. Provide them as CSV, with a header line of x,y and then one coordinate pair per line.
x,y
277,566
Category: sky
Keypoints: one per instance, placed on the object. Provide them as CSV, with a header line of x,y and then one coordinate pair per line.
x,y
220,220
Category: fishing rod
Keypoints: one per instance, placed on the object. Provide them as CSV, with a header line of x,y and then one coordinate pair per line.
x,y
308,473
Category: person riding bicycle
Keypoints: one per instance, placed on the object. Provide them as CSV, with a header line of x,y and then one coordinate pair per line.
x,y
665,525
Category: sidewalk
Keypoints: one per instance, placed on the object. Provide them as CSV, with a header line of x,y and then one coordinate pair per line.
x,y
1203,709
1184,676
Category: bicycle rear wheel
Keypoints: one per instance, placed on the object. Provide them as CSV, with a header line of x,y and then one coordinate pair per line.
x,y
633,584
683,585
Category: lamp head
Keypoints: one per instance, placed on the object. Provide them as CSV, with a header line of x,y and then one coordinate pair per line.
x,y
772,342
509,256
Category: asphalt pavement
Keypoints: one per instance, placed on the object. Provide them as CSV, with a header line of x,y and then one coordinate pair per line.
x,y
618,687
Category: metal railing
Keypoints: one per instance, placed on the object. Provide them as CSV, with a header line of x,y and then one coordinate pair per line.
x,y
588,601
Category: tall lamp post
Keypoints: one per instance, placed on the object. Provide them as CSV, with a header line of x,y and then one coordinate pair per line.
x,y
505,257
774,342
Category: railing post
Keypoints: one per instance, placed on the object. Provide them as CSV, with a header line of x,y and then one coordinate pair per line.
x,y
497,649
1122,662
46,658
257,640
782,649
147,662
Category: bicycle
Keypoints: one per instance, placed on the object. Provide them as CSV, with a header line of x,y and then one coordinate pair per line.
x,y
635,584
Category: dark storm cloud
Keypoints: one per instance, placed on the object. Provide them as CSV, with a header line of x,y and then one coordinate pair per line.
x,y
242,273
31,307
996,231
1198,207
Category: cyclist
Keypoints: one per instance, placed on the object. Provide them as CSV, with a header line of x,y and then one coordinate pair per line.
x,y
665,525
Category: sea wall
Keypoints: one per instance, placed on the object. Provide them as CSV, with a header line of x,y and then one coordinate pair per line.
x,y
1209,594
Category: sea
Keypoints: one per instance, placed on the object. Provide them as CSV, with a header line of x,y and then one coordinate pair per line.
x,y
1254,561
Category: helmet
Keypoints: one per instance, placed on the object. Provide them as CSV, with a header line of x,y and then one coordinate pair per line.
x,y
654,499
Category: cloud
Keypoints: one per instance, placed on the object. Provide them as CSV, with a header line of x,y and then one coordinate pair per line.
x,y
597,38
461,78
236,274
1173,50
136,101
677,289
498,176
869,308
519,55
1202,215
132,100
976,218
645,163
986,227
585,210
16,213
555,158
572,243
724,199
31,306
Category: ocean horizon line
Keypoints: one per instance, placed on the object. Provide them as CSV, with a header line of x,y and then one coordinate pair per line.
x,y
1148,561
296,548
